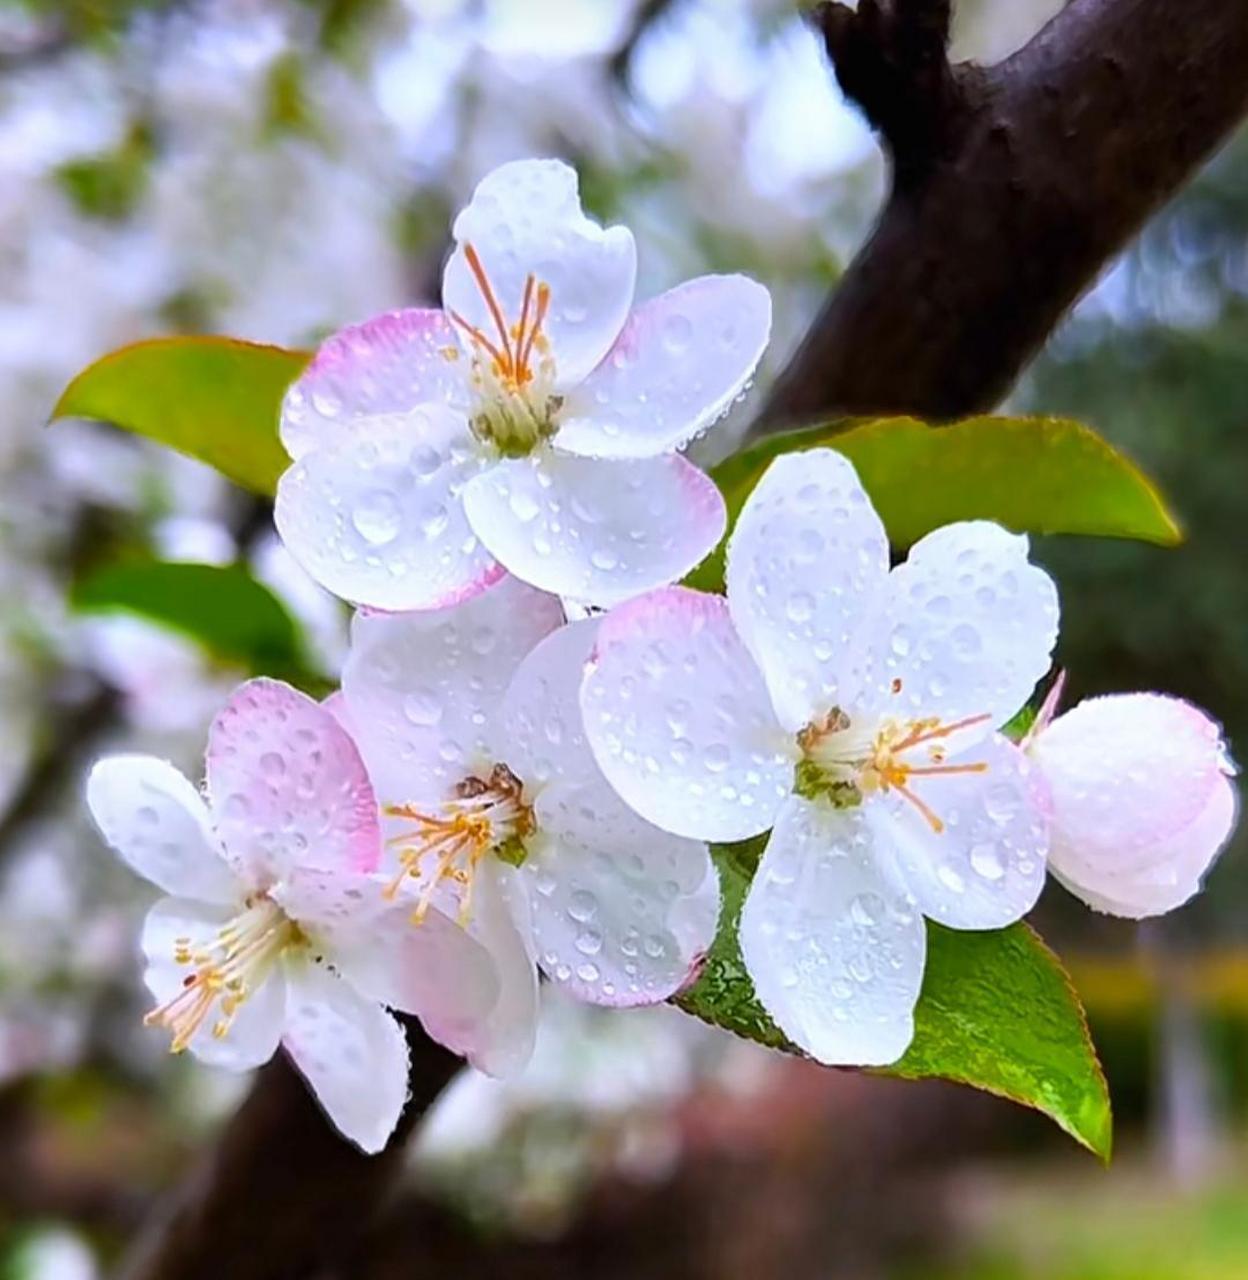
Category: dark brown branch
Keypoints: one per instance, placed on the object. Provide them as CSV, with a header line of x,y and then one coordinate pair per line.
x,y
1014,186
281,1195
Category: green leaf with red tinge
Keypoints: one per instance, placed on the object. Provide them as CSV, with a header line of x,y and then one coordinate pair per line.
x,y
215,399
997,1012
1032,475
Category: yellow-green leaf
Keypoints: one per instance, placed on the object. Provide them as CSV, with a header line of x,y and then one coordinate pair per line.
x,y
997,1012
1032,475
213,398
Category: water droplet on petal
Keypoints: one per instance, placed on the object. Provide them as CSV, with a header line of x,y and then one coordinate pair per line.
x,y
987,861
377,518
422,708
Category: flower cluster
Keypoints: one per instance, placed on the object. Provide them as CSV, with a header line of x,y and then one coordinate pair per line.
x,y
498,790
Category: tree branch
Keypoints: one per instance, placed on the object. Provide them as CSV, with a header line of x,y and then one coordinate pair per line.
x,y
281,1195
1013,186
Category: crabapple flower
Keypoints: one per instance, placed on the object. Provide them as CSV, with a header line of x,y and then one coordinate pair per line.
x,y
1142,799
850,709
530,426
275,929
494,809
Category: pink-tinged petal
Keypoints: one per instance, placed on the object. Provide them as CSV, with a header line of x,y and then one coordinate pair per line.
x,y
596,531
984,868
388,365
543,733
1141,801
1126,772
525,219
678,718
254,1032
623,913
435,969
1176,874
676,368
351,1052
503,1044
836,954
288,787
155,819
378,518
967,627
807,562
423,689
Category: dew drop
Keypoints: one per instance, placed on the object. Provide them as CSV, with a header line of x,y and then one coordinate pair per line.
x,y
589,942
987,861
523,505
582,906
800,607
901,641
950,879
677,333
377,518
422,708
866,909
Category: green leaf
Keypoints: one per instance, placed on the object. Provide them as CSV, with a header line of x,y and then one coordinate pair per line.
x,y
997,1012
109,186
236,619
213,398
1033,475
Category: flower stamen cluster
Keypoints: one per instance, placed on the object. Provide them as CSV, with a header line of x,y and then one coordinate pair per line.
x,y
227,970
843,763
489,816
516,406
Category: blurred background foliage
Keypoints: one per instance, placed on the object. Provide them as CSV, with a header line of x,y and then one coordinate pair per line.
x,y
273,169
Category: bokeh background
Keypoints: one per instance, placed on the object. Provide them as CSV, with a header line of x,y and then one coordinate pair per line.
x,y
275,170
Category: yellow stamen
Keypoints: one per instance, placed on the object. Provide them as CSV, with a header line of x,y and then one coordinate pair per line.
x,y
485,816
227,970
850,762
517,404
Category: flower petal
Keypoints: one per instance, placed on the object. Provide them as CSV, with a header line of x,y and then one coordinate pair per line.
x,y
1126,772
623,913
256,1028
434,969
350,1050
525,218
541,723
676,368
985,867
387,365
155,819
967,627
288,787
378,519
807,561
503,1045
1178,865
423,689
1141,803
679,721
835,952
595,531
